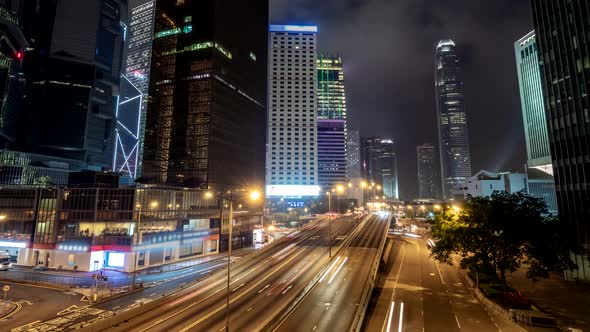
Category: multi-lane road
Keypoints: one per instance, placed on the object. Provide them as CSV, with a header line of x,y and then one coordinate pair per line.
x,y
333,302
420,294
260,286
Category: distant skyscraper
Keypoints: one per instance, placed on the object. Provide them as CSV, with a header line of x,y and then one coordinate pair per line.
x,y
292,160
206,117
452,119
562,28
379,164
139,56
73,68
331,121
533,114
353,154
127,132
427,182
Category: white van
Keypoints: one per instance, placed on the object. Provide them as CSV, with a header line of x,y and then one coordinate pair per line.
x,y
5,262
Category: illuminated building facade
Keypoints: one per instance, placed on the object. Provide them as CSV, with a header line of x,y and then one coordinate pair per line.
x,y
331,121
453,134
379,165
562,28
427,181
206,115
292,160
353,154
139,56
534,119
128,130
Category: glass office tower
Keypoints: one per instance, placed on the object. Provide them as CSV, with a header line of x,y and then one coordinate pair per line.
x,y
453,134
331,122
427,182
562,28
535,123
206,117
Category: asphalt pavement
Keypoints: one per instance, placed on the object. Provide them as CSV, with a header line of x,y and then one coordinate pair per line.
x,y
36,303
333,302
419,294
259,287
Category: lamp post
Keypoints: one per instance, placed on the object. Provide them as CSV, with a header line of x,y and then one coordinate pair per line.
x,y
254,195
329,224
153,205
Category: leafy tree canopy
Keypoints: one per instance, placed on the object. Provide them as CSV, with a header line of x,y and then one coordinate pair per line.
x,y
501,233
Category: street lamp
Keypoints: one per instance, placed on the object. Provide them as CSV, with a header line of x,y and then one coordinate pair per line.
x,y
2,217
339,190
254,195
329,223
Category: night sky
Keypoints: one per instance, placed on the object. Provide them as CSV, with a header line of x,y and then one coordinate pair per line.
x,y
388,49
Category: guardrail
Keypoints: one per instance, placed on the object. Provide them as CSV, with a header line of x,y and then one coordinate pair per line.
x,y
357,322
277,318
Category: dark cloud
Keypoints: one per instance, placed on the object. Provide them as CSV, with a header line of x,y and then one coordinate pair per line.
x,y
388,49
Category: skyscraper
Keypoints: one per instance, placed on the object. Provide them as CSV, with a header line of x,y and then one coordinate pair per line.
x,y
138,57
452,119
73,68
562,28
127,132
206,116
379,164
535,122
292,160
331,121
12,50
353,154
427,182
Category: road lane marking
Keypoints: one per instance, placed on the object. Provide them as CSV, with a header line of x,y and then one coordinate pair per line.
x,y
286,290
397,277
390,316
250,309
234,299
330,268
335,273
440,274
240,286
315,327
457,319
401,317
262,289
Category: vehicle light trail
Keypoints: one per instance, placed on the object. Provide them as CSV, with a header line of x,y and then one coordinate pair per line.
x,y
335,273
329,269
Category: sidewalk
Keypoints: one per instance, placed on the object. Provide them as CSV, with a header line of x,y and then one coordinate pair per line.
x,y
567,301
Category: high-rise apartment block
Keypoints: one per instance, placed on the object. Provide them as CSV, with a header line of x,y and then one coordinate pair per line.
x,y
534,119
562,28
206,116
453,132
427,181
331,122
292,155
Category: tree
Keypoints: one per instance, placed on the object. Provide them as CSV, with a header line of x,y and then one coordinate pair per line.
x,y
501,233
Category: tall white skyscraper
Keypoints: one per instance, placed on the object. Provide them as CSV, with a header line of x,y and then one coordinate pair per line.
x,y
291,160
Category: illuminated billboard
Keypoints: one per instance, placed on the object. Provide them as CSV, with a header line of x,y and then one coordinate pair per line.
x,y
291,191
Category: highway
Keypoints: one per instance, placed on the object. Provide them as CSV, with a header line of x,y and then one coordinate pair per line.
x,y
419,294
259,286
333,302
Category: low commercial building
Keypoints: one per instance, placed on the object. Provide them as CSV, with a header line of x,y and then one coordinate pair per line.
x,y
88,229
